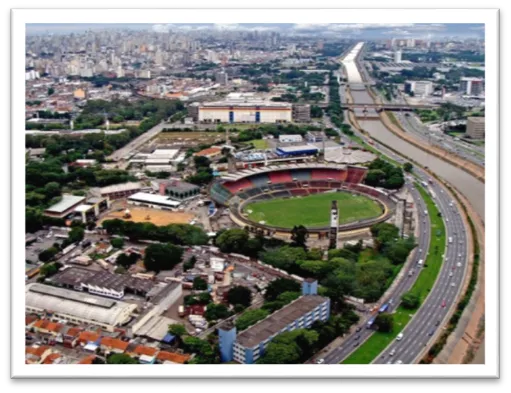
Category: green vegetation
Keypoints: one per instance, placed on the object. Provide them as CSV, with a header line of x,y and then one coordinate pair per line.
x,y
371,348
120,358
180,234
383,174
199,284
239,295
160,257
203,174
313,210
260,144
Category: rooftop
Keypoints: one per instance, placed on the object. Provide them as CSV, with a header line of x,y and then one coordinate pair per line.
x,y
247,103
67,202
208,151
289,149
479,120
153,198
181,186
121,187
274,323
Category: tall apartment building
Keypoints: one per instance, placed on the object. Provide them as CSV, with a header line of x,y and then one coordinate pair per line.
x,y
397,56
250,344
419,88
471,86
301,113
476,127
221,77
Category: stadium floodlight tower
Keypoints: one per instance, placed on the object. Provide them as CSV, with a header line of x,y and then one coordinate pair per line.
x,y
334,225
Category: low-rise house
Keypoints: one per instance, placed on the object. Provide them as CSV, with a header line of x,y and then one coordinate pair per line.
x,y
171,357
36,354
113,345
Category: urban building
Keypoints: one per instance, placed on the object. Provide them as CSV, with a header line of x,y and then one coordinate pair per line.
x,y
153,201
65,207
419,88
290,138
101,283
179,190
75,307
210,152
117,191
397,56
471,86
301,113
476,127
300,150
250,344
249,111
221,78
315,136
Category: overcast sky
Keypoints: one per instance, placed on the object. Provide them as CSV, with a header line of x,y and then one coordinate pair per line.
x,y
362,30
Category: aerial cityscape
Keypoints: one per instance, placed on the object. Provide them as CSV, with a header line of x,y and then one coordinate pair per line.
x,y
254,193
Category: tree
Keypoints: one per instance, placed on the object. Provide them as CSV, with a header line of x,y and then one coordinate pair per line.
x,y
120,358
177,330
299,236
385,322
199,284
126,260
315,254
239,295
216,311
232,240
408,167
48,254
284,258
410,300
160,257
190,263
279,286
76,235
117,242
249,318
51,90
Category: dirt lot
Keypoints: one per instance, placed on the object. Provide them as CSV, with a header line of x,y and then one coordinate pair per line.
x,y
195,137
155,216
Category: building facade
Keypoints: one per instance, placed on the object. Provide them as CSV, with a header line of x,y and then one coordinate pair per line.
x,y
245,112
249,345
301,113
471,86
419,88
476,127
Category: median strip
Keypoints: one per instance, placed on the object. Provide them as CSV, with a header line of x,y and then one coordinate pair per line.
x,y
377,343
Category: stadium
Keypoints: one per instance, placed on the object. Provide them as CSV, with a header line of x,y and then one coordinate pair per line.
x,y
273,199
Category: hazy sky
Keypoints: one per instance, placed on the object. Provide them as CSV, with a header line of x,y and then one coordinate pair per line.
x,y
362,30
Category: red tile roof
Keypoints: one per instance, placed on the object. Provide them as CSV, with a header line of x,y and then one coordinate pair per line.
x,y
51,358
114,343
87,359
87,336
143,350
208,151
36,351
172,357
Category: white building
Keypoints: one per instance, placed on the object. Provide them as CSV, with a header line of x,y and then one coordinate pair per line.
x,y
476,127
250,111
397,56
471,86
290,138
77,307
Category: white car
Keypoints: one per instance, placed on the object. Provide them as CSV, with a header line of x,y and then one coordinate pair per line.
x,y
458,264
399,337
399,362
393,352
453,284
320,361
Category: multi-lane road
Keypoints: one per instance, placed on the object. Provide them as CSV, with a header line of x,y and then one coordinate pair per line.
x,y
427,321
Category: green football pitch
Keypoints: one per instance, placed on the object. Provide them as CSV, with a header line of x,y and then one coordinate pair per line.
x,y
313,210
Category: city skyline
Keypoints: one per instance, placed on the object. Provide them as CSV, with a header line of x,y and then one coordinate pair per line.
x,y
358,30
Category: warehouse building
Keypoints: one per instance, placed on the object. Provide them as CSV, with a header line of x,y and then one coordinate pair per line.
x,y
250,344
290,138
76,307
179,190
101,283
250,111
153,201
315,136
117,191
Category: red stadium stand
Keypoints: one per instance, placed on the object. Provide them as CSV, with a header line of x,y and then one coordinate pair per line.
x,y
299,192
280,177
355,175
238,185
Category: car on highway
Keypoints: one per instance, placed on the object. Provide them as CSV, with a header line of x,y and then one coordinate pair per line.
x,y
431,332
358,329
356,344
437,323
357,337
458,264
399,362
399,337
320,361
393,352
453,284
450,274
443,303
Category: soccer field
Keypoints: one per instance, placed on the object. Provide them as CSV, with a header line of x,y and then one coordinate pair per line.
x,y
313,210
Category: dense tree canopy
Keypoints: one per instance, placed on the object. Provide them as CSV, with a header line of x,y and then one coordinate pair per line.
x,y
239,295
160,257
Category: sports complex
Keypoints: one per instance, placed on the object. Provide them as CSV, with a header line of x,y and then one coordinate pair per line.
x,y
276,198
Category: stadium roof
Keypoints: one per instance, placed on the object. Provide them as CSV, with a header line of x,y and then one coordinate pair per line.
x,y
78,304
249,172
120,187
152,198
274,323
297,148
67,202
348,156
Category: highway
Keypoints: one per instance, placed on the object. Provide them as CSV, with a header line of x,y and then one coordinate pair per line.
x,y
353,340
430,318
124,152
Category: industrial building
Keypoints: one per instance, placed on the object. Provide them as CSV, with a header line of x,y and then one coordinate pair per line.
x,y
471,86
101,283
76,307
117,191
250,344
476,127
248,111
419,88
300,150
